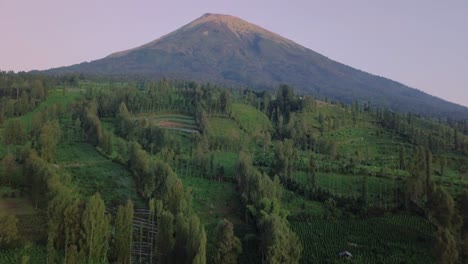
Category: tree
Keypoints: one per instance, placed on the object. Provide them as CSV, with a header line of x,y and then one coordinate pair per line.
x,y
313,173
8,170
401,156
196,241
285,155
429,171
181,240
14,133
176,197
48,140
95,232
124,120
228,246
8,230
445,247
225,101
123,233
441,208
364,191
442,163
461,205
165,239
416,183
72,219
279,244
331,211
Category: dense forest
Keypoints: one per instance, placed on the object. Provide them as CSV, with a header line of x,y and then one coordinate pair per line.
x,y
98,171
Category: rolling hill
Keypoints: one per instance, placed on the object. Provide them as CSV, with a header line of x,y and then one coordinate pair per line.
x,y
226,50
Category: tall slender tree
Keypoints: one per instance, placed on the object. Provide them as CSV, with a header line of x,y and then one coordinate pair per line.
x,y
95,232
123,233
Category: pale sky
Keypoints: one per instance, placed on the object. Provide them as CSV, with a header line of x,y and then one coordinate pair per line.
x,y
421,43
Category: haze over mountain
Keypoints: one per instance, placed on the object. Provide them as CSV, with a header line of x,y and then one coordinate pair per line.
x,y
227,50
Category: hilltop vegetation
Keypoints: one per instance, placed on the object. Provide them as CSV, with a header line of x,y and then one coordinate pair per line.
x,y
179,172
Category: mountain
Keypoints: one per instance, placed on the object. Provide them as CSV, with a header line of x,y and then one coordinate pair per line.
x,y
226,50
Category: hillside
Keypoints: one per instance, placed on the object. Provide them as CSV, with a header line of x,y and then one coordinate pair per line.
x,y
227,50
182,165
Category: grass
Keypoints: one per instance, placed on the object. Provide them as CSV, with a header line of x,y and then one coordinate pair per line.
x,y
55,96
380,190
225,134
213,201
297,205
387,239
224,127
93,173
250,119
227,160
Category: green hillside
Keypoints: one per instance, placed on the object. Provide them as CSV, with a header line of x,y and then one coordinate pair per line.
x,y
287,178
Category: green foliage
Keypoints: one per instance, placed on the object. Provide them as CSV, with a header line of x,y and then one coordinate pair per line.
x,y
8,230
333,162
14,133
445,247
228,246
279,243
123,233
441,208
49,137
165,239
95,232
9,171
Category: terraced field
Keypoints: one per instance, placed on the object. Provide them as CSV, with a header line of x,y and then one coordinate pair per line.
x,y
178,122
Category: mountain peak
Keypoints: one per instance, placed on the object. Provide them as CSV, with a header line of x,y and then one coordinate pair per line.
x,y
237,26
207,25
227,50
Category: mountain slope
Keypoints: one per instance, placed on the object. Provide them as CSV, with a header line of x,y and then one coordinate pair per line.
x,y
227,50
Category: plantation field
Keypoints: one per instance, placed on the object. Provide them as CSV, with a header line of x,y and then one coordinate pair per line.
x,y
178,122
91,172
365,141
30,253
380,190
389,239
250,119
224,127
